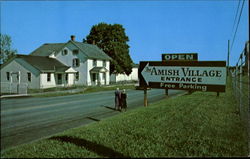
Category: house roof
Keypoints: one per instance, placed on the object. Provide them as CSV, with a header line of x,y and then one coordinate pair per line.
x,y
44,64
47,49
91,51
98,69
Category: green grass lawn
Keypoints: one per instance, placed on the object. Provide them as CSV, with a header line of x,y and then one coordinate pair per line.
x,y
54,89
90,89
195,125
109,88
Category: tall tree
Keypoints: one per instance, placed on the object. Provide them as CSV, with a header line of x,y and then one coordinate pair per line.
x,y
6,51
113,41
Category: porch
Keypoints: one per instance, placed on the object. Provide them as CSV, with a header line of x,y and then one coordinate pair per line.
x,y
98,76
58,78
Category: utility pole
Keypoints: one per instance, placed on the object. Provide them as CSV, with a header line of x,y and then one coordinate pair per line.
x,y
228,52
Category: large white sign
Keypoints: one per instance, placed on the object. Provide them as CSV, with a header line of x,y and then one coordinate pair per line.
x,y
185,74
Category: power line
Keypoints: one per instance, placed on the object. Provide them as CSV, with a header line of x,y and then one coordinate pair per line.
x,y
237,11
237,24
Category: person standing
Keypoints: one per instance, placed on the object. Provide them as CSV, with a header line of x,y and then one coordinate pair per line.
x,y
117,99
124,100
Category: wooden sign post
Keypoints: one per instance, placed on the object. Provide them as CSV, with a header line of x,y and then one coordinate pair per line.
x,y
218,94
166,92
145,97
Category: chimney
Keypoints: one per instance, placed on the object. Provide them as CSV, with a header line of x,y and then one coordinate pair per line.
x,y
72,37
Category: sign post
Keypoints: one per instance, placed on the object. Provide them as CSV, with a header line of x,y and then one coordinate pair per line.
x,y
145,97
207,76
166,92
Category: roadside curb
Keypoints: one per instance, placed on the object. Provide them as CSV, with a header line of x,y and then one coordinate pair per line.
x,y
15,96
33,94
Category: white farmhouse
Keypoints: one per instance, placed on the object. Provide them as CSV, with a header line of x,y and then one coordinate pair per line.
x,y
59,64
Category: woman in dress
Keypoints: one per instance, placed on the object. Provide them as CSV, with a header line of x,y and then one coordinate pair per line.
x,y
124,100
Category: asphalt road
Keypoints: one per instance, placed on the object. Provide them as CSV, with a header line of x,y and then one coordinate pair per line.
x,y
28,119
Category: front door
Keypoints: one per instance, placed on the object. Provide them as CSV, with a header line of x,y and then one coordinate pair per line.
x,y
59,78
67,78
93,78
15,77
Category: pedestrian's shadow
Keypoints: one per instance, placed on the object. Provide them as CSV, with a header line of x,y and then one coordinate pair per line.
x,y
92,118
91,146
110,108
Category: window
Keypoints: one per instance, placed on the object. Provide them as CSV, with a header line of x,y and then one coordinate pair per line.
x,y
77,76
94,63
65,52
29,76
48,77
8,76
76,51
104,63
76,62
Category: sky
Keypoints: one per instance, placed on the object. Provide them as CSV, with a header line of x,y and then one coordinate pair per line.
x,y
153,27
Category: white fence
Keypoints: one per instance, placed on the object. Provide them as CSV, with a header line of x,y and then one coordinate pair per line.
x,y
13,88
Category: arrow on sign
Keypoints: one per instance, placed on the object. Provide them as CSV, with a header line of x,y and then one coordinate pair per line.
x,y
149,76
146,73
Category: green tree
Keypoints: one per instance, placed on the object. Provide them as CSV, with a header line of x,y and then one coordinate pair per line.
x,y
6,51
113,41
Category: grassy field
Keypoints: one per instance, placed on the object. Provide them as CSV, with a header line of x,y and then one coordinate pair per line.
x,y
109,88
54,89
195,125
82,90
